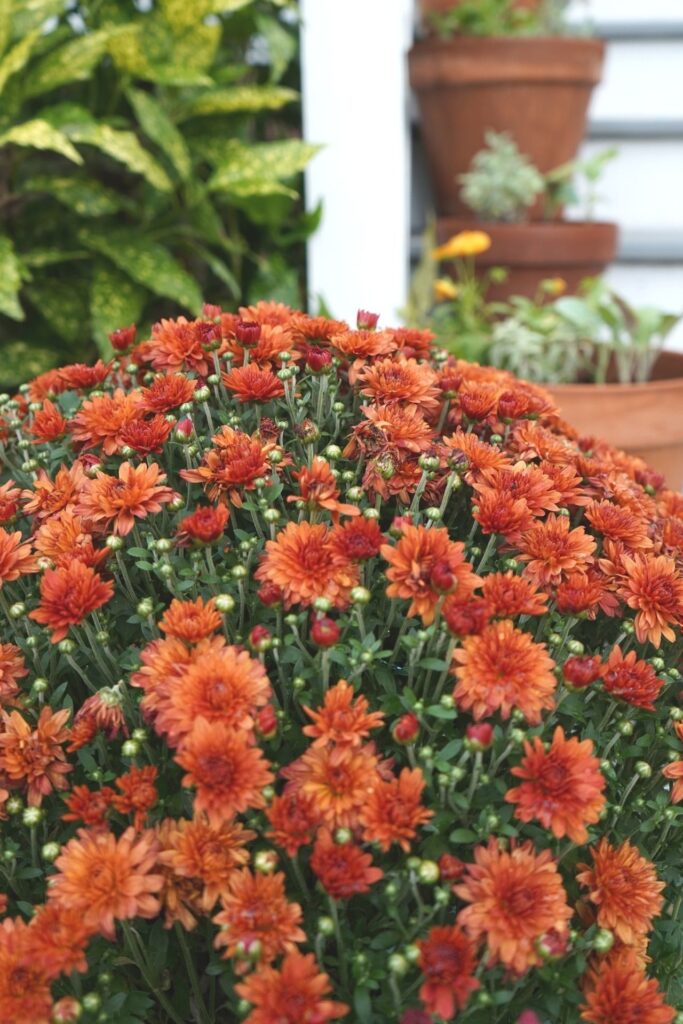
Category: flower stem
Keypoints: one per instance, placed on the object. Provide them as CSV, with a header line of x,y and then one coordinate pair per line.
x,y
137,956
192,974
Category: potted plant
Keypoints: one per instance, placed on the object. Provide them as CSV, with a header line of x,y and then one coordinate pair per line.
x,y
503,66
502,189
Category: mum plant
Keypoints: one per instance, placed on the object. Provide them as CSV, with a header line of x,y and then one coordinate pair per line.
x,y
340,682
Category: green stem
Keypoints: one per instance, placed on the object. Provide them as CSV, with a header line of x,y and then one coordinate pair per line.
x,y
137,956
202,1012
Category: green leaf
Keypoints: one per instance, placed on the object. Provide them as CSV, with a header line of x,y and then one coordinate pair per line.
x,y
157,126
63,304
85,197
124,147
72,62
10,280
40,134
239,99
182,15
48,257
6,7
22,360
30,14
115,301
146,262
463,835
228,6
142,51
17,57
263,162
282,45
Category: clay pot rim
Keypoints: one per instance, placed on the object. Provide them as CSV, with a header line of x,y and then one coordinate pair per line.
x,y
617,389
434,42
537,243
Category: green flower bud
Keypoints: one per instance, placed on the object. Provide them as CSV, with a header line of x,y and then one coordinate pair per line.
x,y
202,394
354,493
166,570
14,805
298,683
131,748
32,816
322,604
360,595
433,514
603,940
398,964
325,926
50,852
265,861
66,646
426,753
626,728
40,685
105,978
272,515
145,607
113,542
225,603
343,836
428,872
17,610
238,572
643,769
457,773
92,1002
575,647
391,890
370,513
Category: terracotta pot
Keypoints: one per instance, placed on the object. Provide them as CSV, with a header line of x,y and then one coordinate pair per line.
x,y
536,250
643,419
537,89
442,6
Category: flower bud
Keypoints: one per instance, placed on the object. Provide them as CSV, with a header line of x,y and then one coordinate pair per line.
x,y
318,359
479,736
266,722
50,852
451,868
360,595
248,333
428,872
528,1017
354,493
145,607
123,339
406,729
260,639
32,816
581,671
131,748
66,646
398,964
643,769
114,543
603,940
366,321
265,861
441,578
325,926
325,632
184,430
225,603
343,836
66,1010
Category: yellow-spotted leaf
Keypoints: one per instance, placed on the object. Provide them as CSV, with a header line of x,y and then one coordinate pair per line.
x,y
16,58
10,280
71,62
86,197
124,147
263,162
157,126
239,100
115,301
40,134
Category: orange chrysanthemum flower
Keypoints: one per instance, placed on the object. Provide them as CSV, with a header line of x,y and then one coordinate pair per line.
x,y
425,564
195,850
342,719
402,380
63,538
221,684
624,887
357,540
67,595
16,558
255,909
233,465
166,393
179,345
585,592
10,496
58,938
303,562
51,496
674,771
100,420
110,502
80,376
191,621
343,869
361,347
203,526
250,383
620,524
654,588
521,481
34,758
12,668
293,819
108,879
145,436
339,781
225,769
138,794
619,992
479,454
390,426
515,897
503,668
498,512
562,787
447,961
552,550
293,994
508,596
394,810
162,662
24,988
48,424
318,489
630,679
88,807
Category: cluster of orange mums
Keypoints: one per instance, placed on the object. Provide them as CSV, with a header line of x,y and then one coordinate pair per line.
x,y
345,661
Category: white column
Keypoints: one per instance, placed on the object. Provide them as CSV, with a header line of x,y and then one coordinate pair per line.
x,y
355,103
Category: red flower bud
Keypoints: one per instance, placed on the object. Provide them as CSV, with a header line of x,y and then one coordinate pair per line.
x,y
441,578
185,427
406,729
398,522
512,405
210,311
528,1017
259,638
247,333
479,736
552,945
582,671
325,632
416,1017
318,358
66,1010
270,594
266,722
451,868
123,338
366,321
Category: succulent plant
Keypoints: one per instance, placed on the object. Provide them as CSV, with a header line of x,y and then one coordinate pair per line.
x,y
502,183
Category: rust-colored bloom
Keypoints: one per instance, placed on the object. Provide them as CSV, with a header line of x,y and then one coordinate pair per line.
x,y
63,538
251,383
115,502
10,496
138,794
108,879
357,540
318,489
67,595
630,679
179,345
343,719
420,561
515,896
624,887
402,380
654,588
508,596
225,769
504,668
447,961
390,426
343,869
51,496
339,781
12,668
619,992
48,424
562,787
617,523
89,807
203,526
34,758
233,465
100,420
79,376
167,392
553,549
479,454
303,562
196,850
191,621
255,909
585,592
394,810
293,819
24,988
295,993
521,481
58,938
498,512
146,435
16,558
674,771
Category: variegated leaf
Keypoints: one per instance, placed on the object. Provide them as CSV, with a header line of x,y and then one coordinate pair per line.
x,y
157,126
115,301
238,100
124,147
40,134
10,280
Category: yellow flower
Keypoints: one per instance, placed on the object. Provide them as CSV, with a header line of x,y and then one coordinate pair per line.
x,y
445,289
555,285
465,243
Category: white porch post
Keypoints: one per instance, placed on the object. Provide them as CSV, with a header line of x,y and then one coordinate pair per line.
x,y
355,102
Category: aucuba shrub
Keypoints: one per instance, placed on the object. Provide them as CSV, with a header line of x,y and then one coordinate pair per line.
x,y
339,681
